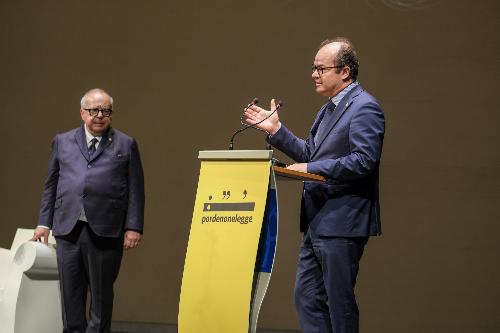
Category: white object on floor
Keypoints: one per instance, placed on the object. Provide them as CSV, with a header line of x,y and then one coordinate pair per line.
x,y
29,286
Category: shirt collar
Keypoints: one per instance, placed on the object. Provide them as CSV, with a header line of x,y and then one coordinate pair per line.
x,y
89,135
337,98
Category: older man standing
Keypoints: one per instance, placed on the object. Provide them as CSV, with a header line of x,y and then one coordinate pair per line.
x,y
345,146
93,201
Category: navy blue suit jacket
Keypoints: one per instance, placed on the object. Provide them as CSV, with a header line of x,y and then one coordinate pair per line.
x,y
348,155
110,185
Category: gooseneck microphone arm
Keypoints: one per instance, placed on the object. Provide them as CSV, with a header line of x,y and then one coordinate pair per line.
x,y
254,101
245,127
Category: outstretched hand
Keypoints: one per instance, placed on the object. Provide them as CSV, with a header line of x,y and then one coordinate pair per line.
x,y
254,114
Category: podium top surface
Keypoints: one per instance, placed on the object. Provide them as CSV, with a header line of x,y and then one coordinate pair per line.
x,y
235,154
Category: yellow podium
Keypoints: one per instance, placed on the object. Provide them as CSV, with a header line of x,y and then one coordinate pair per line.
x,y
232,242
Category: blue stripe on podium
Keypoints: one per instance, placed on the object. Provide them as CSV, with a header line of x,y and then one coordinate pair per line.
x,y
267,247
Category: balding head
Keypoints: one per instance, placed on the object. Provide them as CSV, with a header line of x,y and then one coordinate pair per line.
x,y
96,94
344,54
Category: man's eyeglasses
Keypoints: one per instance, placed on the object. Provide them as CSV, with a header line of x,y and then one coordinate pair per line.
x,y
95,112
322,69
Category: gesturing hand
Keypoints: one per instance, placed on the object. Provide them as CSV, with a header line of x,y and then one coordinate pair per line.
x,y
254,114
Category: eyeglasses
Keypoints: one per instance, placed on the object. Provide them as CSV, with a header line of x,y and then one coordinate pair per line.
x,y
322,69
95,112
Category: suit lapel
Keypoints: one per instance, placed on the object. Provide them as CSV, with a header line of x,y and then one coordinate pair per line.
x,y
107,139
82,142
339,111
319,118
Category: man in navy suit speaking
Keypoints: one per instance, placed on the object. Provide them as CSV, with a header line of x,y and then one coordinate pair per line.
x,y
93,201
337,217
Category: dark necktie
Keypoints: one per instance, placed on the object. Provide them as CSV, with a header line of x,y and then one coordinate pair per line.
x,y
93,142
327,115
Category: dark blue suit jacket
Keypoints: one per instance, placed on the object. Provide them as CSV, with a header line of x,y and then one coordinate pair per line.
x,y
110,186
348,155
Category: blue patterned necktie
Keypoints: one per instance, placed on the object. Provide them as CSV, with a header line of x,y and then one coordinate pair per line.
x,y
327,115
92,149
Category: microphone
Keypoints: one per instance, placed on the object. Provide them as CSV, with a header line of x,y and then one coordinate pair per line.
x,y
247,126
254,101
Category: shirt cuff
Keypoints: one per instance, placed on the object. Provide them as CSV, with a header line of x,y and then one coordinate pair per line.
x,y
279,127
43,226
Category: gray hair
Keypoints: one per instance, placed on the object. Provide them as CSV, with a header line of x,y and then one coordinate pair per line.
x,y
83,101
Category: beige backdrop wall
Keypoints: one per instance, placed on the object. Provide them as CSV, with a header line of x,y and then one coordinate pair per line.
x,y
181,71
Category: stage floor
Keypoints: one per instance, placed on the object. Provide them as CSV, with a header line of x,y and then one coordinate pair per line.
x,y
129,327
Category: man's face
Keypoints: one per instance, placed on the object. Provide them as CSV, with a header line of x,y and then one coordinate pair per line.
x,y
329,83
98,124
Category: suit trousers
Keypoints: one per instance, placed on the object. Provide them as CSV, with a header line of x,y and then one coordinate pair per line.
x,y
324,286
86,260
